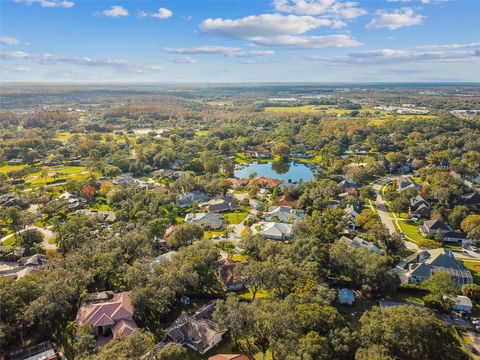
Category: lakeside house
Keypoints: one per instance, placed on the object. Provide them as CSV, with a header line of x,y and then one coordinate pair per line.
x,y
438,260
198,332
265,183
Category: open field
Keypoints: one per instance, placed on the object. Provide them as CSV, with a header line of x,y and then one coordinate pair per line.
x,y
7,168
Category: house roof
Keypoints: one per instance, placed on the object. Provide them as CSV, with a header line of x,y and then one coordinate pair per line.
x,y
221,205
346,294
436,224
226,273
438,260
214,220
266,182
284,213
106,313
405,182
124,327
194,196
197,330
286,201
276,229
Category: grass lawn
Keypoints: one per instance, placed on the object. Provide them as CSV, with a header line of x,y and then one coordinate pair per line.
x,y
8,168
210,234
52,241
412,233
474,267
238,258
248,294
101,207
10,241
235,217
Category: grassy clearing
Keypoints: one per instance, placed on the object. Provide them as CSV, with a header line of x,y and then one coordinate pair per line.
x,y
10,241
293,109
8,168
474,267
239,258
248,294
235,217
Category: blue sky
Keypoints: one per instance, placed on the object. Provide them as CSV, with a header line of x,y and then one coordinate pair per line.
x,y
248,41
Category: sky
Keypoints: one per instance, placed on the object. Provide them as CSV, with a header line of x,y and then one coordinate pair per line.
x,y
239,41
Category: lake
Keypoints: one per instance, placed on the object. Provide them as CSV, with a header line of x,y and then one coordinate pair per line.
x,y
293,171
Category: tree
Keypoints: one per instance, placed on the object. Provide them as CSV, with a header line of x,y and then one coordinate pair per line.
x,y
88,192
31,237
133,346
472,291
281,150
441,283
374,352
184,235
170,352
409,333
84,341
367,193
457,215
471,225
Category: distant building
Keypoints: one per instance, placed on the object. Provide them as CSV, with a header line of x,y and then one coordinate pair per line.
x,y
222,205
265,183
419,208
42,351
189,198
404,183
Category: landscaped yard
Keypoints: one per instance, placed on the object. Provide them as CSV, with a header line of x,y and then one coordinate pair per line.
x,y
235,217
412,233
210,234
248,294
474,267
8,168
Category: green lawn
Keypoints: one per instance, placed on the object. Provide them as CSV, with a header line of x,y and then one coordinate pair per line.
x,y
10,241
412,232
239,258
248,294
235,217
474,267
292,109
210,234
8,168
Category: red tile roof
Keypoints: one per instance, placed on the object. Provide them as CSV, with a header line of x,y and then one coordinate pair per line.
x,y
286,201
106,313
266,182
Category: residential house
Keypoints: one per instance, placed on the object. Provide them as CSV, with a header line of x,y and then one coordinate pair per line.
x,y
345,185
284,214
455,237
34,261
438,260
286,201
198,332
222,205
265,183
189,198
42,351
207,220
405,182
276,231
461,303
435,226
227,277
236,182
109,314
472,200
419,208
357,242
346,296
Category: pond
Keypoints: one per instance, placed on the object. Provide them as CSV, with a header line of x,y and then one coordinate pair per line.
x,y
286,171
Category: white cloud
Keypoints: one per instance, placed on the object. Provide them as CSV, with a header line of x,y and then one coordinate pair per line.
x,y
395,20
48,3
115,11
279,30
426,53
51,59
162,14
332,8
8,40
218,50
184,60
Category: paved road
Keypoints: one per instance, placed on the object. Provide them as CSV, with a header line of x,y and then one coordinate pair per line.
x,y
47,235
383,213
